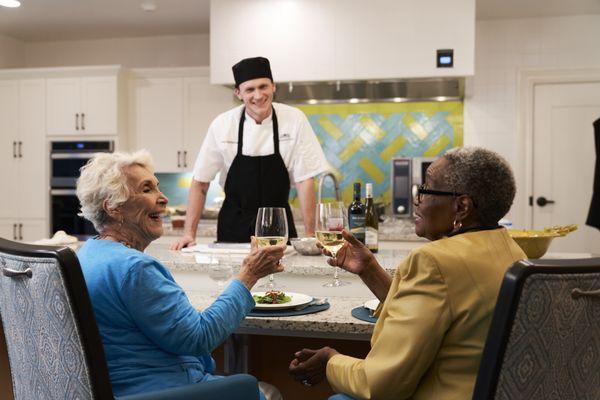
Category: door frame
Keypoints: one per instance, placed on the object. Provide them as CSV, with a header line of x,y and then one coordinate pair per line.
x,y
527,80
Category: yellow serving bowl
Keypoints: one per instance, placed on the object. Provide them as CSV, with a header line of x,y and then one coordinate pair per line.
x,y
534,243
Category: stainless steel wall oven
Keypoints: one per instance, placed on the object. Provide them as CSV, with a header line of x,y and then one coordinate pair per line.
x,y
66,159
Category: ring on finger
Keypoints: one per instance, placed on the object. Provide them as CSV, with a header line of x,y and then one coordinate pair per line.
x,y
305,382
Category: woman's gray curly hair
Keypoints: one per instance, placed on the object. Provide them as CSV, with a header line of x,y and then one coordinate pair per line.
x,y
103,179
486,177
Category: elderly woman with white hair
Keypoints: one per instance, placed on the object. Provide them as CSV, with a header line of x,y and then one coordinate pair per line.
x,y
153,338
436,310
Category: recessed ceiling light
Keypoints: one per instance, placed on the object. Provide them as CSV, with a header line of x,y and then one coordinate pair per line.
x,y
148,6
10,3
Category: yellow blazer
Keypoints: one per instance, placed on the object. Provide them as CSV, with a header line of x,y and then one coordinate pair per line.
x,y
432,327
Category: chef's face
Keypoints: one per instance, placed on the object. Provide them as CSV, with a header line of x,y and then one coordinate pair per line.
x,y
257,95
142,210
434,215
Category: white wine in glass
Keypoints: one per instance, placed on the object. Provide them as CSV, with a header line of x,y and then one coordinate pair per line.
x,y
271,230
331,220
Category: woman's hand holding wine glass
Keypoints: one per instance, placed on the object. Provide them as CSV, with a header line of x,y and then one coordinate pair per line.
x,y
331,220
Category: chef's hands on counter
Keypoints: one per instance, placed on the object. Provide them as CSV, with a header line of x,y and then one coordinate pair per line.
x,y
356,258
260,263
309,367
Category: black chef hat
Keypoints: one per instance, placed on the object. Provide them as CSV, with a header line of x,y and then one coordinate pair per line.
x,y
251,68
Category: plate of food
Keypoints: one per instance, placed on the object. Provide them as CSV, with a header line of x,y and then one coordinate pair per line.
x,y
278,300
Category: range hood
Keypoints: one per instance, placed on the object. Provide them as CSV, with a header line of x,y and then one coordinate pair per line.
x,y
407,90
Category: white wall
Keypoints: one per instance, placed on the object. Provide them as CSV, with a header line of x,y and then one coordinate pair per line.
x,y
144,52
502,48
11,52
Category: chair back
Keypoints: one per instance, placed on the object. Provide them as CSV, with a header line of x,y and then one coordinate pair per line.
x,y
53,343
544,338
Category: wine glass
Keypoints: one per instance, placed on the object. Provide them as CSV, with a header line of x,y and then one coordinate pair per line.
x,y
271,229
331,219
220,270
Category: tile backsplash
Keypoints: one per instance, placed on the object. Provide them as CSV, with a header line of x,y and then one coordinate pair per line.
x,y
359,140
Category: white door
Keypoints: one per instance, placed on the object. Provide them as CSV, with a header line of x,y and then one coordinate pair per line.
x,y
9,229
63,114
33,175
31,230
99,105
203,103
159,121
9,147
563,161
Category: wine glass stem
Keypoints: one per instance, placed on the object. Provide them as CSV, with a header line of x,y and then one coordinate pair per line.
x,y
271,278
336,271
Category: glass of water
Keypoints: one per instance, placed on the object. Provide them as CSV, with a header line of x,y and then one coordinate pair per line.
x,y
220,270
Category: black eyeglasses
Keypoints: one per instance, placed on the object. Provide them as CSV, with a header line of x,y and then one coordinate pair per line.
x,y
421,191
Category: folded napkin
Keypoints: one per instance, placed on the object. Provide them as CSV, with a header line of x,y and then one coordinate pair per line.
x,y
232,249
60,238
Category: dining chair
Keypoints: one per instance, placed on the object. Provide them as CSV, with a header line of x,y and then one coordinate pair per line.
x,y
53,343
544,338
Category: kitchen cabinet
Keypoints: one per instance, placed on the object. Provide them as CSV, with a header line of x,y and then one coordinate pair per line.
x,y
172,111
82,106
23,164
24,230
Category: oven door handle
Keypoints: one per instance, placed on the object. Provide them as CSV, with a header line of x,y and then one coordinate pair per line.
x,y
63,156
63,192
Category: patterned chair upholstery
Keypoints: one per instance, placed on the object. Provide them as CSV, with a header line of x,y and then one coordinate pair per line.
x,y
544,339
54,347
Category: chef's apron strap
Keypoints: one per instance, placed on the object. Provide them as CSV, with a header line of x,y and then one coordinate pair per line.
x,y
241,131
275,133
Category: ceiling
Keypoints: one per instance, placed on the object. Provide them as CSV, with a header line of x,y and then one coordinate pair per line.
x,y
51,20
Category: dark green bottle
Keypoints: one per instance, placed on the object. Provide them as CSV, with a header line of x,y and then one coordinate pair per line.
x,y
356,215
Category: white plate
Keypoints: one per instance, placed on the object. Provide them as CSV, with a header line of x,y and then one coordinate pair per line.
x,y
298,299
371,304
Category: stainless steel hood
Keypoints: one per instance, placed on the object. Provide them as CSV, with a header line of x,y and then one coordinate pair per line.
x,y
407,90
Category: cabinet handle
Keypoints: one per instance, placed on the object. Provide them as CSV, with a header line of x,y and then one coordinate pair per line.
x,y
20,231
14,231
178,159
20,149
185,158
14,149
83,121
77,121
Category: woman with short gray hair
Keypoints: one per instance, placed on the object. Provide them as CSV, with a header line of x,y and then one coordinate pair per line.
x,y
153,338
436,309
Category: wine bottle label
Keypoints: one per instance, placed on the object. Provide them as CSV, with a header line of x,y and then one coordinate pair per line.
x,y
356,223
371,238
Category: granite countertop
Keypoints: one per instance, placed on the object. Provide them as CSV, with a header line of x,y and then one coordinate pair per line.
x,y
303,274
295,263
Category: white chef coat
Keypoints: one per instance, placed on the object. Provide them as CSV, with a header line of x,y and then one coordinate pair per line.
x,y
298,145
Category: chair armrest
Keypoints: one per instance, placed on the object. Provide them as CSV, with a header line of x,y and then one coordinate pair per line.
x,y
234,387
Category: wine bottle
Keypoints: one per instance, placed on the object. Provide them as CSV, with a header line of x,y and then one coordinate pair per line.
x,y
371,221
356,215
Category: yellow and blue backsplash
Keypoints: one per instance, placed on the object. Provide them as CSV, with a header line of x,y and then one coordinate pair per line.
x,y
359,140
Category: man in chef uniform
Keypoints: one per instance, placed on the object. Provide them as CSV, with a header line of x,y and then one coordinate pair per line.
x,y
260,148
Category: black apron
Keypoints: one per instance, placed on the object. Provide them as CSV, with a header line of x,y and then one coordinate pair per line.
x,y
253,182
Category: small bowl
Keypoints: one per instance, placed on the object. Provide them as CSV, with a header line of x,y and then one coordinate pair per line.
x,y
534,243
306,246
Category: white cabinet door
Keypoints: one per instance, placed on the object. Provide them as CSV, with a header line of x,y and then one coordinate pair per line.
x,y
202,102
8,229
159,121
63,111
33,161
32,229
9,137
99,105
